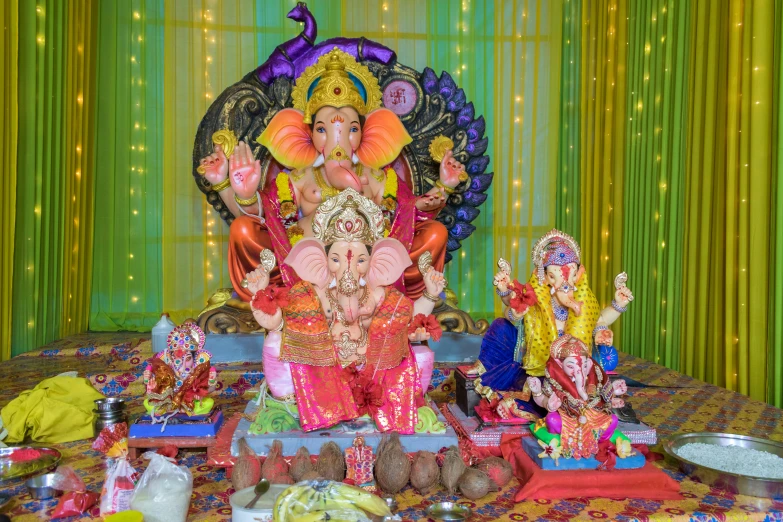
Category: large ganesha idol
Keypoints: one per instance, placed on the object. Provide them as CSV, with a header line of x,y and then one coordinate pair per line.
x,y
336,137
316,120
180,378
556,301
339,341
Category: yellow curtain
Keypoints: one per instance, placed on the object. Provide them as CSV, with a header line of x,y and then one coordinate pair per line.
x,y
9,133
727,203
603,118
79,165
209,45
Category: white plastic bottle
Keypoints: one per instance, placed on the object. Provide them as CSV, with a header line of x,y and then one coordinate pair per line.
x,y
160,333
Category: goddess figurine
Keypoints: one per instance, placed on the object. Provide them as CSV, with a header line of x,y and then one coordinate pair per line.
x,y
579,397
556,301
180,377
339,341
336,137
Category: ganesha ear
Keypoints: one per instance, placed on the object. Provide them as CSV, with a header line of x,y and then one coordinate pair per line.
x,y
288,139
388,261
383,137
579,274
308,259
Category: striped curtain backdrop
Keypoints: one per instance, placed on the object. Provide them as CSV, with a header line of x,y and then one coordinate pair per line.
x,y
647,129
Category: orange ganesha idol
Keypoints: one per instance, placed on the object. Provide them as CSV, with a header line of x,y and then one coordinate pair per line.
x,y
336,137
179,378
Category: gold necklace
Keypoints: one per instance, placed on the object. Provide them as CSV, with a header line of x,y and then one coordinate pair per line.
x,y
339,311
327,191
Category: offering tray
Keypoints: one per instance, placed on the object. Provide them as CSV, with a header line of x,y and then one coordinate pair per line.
x,y
733,482
16,462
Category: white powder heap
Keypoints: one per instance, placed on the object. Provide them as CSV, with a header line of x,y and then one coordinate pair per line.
x,y
734,459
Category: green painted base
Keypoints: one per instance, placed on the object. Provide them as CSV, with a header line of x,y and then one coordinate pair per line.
x,y
200,407
275,418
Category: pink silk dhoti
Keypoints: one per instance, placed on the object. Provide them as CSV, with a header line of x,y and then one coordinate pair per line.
x,y
324,396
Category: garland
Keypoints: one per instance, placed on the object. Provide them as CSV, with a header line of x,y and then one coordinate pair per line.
x,y
389,201
289,211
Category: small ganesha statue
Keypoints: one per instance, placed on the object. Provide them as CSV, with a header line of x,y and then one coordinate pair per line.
x,y
578,396
556,301
179,378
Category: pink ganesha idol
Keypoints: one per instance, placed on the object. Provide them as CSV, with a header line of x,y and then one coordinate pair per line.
x,y
179,378
579,397
339,342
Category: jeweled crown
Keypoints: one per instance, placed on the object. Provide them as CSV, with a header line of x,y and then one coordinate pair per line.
x,y
568,346
335,87
348,217
555,248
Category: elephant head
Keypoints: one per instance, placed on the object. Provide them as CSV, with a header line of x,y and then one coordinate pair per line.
x,y
557,258
571,365
337,124
344,267
562,281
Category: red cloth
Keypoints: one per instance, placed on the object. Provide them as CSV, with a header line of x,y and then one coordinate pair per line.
x,y
647,482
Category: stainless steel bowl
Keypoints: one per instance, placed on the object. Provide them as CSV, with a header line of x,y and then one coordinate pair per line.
x,y
110,404
110,415
101,423
448,511
731,482
40,487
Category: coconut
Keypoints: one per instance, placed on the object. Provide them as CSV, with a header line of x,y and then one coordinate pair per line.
x,y
498,470
331,463
300,464
275,468
474,484
392,466
453,468
425,472
310,475
247,468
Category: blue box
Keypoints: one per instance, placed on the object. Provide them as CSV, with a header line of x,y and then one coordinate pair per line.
x,y
143,429
532,448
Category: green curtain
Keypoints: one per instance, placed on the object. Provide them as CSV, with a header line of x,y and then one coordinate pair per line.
x,y
156,227
127,262
728,196
656,104
568,180
9,132
775,360
38,261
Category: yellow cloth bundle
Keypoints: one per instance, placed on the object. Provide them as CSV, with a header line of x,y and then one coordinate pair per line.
x,y
59,409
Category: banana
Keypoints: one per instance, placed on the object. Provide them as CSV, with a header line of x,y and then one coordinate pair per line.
x,y
283,502
365,500
313,516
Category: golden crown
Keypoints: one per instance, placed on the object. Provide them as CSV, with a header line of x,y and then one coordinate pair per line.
x,y
568,346
335,87
348,217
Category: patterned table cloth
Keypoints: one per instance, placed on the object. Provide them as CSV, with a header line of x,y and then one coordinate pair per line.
x,y
671,402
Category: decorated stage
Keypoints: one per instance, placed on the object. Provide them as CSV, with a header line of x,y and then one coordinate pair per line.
x,y
669,401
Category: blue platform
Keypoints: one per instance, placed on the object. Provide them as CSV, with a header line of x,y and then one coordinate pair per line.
x,y
532,448
180,425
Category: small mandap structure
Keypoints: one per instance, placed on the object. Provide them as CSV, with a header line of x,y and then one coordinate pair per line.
x,y
432,109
